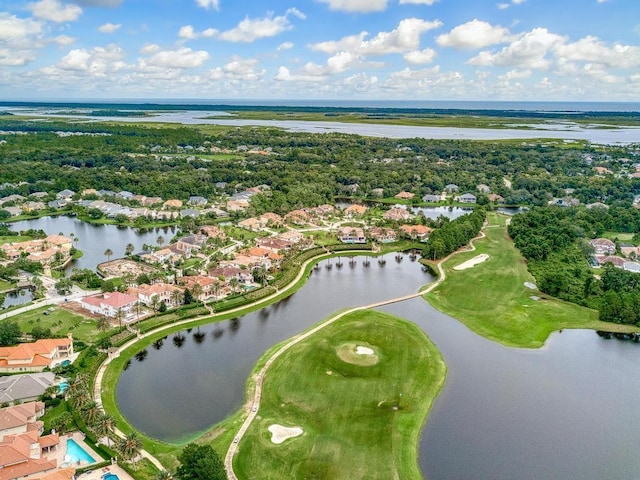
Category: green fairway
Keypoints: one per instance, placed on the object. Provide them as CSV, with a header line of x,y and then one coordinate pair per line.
x,y
60,322
361,411
621,236
492,299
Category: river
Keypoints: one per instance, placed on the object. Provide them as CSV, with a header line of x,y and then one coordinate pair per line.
x,y
564,411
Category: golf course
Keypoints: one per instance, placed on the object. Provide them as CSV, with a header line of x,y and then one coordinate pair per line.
x,y
355,395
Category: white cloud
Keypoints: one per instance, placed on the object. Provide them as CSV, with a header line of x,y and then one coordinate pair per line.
x,y
285,75
176,59
99,3
207,4
252,29
418,2
405,38
285,46
55,11
13,28
428,81
504,6
591,49
516,74
529,50
238,69
187,32
109,27
64,40
362,6
419,57
20,38
473,34
98,62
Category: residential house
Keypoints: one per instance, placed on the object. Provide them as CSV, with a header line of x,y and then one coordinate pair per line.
x,y
24,388
39,195
613,259
597,205
482,188
57,204
192,242
110,304
106,193
253,224
629,250
212,231
65,195
237,205
209,286
404,196
355,211
197,201
603,246
36,356
382,234
172,204
351,235
416,232
466,198
377,192
12,198
150,201
298,217
226,273
324,210
125,195
452,188
397,214
13,211
431,198
271,219
189,212
495,198
291,236
33,206
163,292
276,245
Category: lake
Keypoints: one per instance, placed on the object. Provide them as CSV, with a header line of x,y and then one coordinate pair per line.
x,y
564,411
93,240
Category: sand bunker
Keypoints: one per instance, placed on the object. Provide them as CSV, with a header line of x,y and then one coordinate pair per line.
x,y
364,351
280,433
357,354
531,286
472,262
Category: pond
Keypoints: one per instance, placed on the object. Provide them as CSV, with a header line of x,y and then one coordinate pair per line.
x,y
93,240
17,297
564,411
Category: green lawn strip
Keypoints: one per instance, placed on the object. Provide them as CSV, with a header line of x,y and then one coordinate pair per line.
x,y
492,300
621,236
60,321
6,286
14,239
359,421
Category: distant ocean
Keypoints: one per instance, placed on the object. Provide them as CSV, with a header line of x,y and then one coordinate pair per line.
x,y
562,107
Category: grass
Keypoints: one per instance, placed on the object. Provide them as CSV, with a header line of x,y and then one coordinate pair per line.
x,y
360,421
60,321
492,300
621,236
4,285
14,239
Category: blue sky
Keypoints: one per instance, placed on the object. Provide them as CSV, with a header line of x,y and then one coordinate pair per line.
x,y
582,50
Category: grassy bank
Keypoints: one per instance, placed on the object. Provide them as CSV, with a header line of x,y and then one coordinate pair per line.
x,y
361,414
493,301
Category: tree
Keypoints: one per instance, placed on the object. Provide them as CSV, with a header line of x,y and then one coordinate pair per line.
x,y
129,249
130,446
155,303
64,286
104,426
200,462
108,252
91,412
9,333
62,423
39,332
103,324
160,240
163,475
188,296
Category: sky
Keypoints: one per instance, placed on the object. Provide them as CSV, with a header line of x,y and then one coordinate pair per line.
x,y
524,50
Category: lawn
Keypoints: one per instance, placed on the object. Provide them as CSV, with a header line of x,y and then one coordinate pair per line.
x,y
14,239
60,321
492,299
621,236
361,414
4,285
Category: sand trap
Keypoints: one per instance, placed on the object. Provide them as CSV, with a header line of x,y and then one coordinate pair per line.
x,y
472,262
530,285
364,351
280,433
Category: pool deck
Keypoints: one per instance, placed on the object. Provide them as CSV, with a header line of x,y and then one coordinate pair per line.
x,y
98,473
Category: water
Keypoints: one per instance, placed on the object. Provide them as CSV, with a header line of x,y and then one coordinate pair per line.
x,y
93,240
17,297
76,453
566,411
450,212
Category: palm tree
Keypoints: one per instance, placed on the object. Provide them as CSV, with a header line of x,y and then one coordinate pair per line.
x,y
130,446
108,252
163,475
160,240
234,283
176,296
104,426
155,303
129,249
103,323
196,291
91,412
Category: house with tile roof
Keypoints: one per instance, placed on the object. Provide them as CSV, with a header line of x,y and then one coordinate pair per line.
x,y
603,246
355,210
169,294
416,232
24,388
404,195
351,235
36,356
110,304
397,214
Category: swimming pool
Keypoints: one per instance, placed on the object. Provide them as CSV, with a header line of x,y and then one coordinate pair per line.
x,y
76,454
110,476
62,386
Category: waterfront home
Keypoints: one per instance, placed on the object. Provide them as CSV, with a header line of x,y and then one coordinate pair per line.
x,y
189,212
495,198
208,285
382,234
431,198
451,188
33,206
65,195
603,246
163,292
226,273
404,195
24,388
191,242
36,356
416,232
351,235
110,304
13,211
466,198
397,214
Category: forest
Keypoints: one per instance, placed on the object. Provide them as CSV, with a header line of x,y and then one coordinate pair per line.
x,y
555,242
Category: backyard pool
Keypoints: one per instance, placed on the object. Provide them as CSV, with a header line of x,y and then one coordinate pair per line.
x,y
62,387
110,476
76,454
